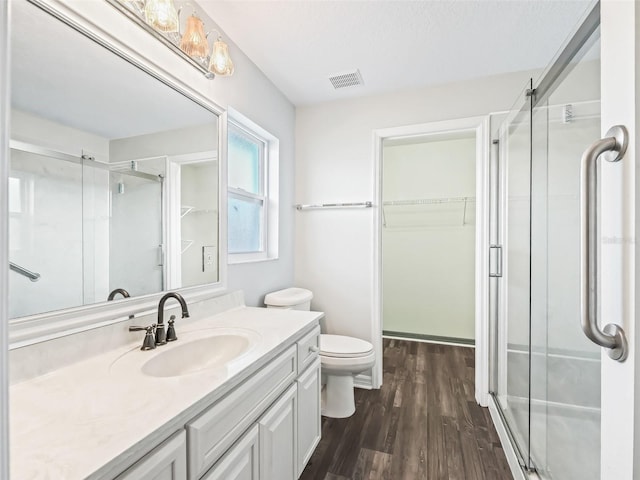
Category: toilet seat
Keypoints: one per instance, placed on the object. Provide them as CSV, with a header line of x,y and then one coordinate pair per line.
x,y
347,365
341,346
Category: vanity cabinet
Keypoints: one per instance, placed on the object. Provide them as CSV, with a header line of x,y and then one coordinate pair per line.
x,y
219,426
308,423
267,427
241,462
254,416
279,438
166,462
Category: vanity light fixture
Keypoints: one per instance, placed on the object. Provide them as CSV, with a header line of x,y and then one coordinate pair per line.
x,y
162,15
221,63
194,41
162,19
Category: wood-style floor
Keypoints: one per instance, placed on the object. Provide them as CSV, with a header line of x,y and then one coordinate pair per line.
x,y
423,423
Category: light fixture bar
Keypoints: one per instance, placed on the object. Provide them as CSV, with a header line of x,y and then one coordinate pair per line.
x,y
136,11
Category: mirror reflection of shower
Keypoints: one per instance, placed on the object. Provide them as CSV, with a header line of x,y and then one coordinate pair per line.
x,y
68,235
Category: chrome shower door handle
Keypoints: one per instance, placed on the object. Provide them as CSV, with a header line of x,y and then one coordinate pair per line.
x,y
612,148
498,261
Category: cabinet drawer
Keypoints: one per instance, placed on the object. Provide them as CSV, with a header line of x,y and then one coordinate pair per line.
x,y
216,429
167,462
308,348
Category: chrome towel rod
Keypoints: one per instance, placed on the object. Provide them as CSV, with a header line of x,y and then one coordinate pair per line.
x,y
300,206
33,276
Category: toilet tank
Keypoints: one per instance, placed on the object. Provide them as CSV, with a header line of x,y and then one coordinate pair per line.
x,y
290,298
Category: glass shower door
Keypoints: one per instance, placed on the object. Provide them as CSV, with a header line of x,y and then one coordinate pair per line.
x,y
565,365
45,230
547,374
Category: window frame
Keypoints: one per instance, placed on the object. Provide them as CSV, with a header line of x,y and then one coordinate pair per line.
x,y
268,178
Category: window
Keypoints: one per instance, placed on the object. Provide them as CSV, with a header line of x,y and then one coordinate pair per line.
x,y
252,192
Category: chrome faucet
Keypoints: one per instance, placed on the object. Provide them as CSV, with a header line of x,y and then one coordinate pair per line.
x,y
161,337
120,291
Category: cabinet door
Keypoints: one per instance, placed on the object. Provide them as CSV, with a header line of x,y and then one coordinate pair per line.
x,y
278,439
308,414
240,462
166,462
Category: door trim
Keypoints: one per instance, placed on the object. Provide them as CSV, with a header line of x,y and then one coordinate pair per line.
x,y
479,125
620,288
4,238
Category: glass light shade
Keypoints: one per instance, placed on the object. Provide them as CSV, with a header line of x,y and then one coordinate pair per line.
x,y
221,63
161,15
194,40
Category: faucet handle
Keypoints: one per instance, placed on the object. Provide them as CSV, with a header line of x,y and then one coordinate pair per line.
x,y
137,328
149,342
171,330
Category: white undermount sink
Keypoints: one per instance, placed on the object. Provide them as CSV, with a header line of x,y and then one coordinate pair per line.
x,y
193,352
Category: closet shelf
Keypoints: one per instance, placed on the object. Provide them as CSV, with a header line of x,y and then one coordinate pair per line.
x,y
300,206
440,212
186,210
185,245
429,201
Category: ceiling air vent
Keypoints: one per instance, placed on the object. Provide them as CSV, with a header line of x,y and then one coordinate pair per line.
x,y
350,79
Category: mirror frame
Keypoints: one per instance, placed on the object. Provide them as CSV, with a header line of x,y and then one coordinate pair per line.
x,y
88,18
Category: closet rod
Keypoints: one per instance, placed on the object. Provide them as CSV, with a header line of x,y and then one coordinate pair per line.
x,y
300,206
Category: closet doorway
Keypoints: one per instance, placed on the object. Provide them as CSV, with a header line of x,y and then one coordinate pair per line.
x,y
431,284
428,237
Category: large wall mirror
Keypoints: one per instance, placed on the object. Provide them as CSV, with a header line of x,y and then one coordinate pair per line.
x,y
114,174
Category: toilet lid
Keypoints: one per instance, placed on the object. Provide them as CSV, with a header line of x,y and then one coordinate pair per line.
x,y
343,346
288,297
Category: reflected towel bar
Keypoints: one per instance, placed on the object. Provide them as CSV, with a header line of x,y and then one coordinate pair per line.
x,y
335,205
33,276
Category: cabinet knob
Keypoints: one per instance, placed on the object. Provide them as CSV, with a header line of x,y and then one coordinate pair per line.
x,y
314,349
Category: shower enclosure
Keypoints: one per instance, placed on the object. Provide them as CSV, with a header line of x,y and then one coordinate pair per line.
x,y
546,373
69,224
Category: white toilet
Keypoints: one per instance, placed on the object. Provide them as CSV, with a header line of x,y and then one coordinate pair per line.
x,y
341,357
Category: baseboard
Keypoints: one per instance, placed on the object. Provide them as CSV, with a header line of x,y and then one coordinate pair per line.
x,y
359,381
419,337
363,381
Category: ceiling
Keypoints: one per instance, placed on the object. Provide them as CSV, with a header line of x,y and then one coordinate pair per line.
x,y
396,45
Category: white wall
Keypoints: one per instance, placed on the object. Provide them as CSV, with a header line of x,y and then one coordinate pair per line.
x,y
334,162
26,127
192,139
199,225
428,251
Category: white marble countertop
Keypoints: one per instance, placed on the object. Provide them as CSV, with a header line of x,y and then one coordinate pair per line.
x,y
89,419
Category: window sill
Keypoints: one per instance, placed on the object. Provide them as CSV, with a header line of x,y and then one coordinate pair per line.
x,y
232,259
